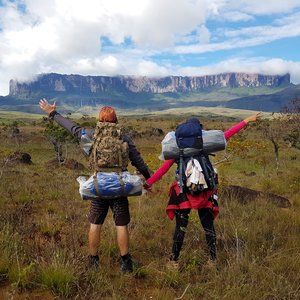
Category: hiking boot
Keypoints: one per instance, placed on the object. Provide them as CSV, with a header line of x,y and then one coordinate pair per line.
x,y
126,264
172,263
93,261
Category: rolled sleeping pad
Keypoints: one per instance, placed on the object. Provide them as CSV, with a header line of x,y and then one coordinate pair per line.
x,y
110,185
213,141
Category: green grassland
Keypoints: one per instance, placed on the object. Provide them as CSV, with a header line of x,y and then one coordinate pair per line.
x,y
7,117
43,223
220,94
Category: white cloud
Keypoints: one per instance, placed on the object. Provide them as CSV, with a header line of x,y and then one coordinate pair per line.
x,y
242,65
203,34
237,16
64,36
108,65
263,7
246,37
148,68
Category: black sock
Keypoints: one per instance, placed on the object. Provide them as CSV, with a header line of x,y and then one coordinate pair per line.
x,y
94,260
126,256
94,257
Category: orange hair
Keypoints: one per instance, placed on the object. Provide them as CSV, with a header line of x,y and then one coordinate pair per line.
x,y
108,114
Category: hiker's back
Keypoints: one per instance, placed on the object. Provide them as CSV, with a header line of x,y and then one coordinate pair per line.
x,y
109,151
195,171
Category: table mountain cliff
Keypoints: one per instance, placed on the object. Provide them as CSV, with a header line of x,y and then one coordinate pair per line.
x,y
97,85
76,92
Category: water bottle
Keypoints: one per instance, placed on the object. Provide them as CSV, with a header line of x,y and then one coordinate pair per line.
x,y
86,142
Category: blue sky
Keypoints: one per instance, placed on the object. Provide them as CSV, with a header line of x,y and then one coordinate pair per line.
x,y
148,38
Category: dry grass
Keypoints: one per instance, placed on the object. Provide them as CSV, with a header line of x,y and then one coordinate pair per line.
x,y
43,235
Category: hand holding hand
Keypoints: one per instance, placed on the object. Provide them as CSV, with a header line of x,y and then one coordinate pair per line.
x,y
146,186
253,118
46,106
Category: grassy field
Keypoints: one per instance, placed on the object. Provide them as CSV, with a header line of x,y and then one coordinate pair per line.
x,y
43,223
7,117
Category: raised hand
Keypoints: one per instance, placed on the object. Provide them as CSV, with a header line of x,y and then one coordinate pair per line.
x,y
46,106
253,118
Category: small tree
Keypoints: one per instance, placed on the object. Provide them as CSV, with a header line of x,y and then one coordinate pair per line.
x,y
271,130
14,132
283,127
290,116
58,137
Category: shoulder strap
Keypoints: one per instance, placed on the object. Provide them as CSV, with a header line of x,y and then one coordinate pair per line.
x,y
181,170
93,154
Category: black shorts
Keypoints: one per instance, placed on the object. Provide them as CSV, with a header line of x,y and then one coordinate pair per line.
x,y
119,207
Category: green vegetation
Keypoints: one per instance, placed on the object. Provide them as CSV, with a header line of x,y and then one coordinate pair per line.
x,y
7,117
218,94
43,224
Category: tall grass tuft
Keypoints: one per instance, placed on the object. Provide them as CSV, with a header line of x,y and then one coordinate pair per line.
x,y
59,275
23,278
60,280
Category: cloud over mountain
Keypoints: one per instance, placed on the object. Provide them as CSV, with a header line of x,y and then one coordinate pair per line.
x,y
147,37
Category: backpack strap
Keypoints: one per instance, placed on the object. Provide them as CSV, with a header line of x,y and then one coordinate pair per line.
x,y
93,164
96,184
209,180
122,184
120,157
181,170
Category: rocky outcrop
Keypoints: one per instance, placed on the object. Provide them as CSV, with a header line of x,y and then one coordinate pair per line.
x,y
97,85
19,157
245,195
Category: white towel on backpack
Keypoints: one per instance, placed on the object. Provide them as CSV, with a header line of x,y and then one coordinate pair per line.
x,y
194,173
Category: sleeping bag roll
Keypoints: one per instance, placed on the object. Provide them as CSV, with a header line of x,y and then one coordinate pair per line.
x,y
109,185
213,141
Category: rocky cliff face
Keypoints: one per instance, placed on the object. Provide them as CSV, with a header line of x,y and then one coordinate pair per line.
x,y
97,85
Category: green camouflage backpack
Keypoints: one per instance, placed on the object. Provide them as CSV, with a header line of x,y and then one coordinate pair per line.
x,y
109,151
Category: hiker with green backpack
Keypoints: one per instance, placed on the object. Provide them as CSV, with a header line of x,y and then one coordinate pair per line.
x,y
195,185
109,150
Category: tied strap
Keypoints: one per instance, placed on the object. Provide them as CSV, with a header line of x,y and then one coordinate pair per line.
x,y
96,184
122,184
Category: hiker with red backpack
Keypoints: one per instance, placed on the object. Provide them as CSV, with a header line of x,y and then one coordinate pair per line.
x,y
195,186
109,149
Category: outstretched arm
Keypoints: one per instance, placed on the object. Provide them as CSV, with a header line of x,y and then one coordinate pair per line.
x,y
236,128
69,125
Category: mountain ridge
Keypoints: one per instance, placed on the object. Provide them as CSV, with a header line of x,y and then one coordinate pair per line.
x,y
233,90
95,85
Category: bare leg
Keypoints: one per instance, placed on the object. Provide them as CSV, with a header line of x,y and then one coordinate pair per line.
x,y
123,239
94,238
123,243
